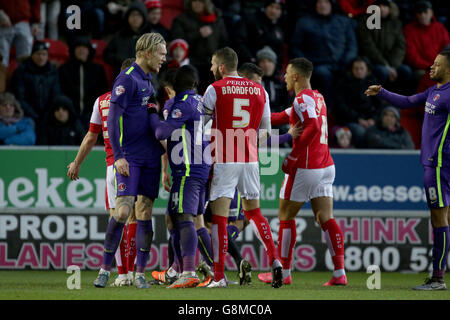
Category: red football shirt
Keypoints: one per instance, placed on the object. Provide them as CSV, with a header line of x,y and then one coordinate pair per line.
x,y
311,148
98,123
237,105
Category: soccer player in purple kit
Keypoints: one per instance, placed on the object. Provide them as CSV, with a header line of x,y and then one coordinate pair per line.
x,y
190,166
137,155
435,158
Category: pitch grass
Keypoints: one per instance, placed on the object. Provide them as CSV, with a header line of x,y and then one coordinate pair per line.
x,y
51,285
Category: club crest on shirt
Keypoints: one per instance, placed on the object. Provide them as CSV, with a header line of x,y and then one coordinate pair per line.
x,y
437,96
176,114
119,90
121,187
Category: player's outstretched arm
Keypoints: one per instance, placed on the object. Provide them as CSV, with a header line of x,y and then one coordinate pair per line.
x,y
279,118
88,142
398,100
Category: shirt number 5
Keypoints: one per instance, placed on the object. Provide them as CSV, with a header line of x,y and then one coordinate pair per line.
x,y
238,112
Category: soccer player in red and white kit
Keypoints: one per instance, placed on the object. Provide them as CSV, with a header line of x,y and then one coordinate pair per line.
x,y
126,253
309,173
239,108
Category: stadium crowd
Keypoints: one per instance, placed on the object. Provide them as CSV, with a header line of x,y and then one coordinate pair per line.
x,y
50,75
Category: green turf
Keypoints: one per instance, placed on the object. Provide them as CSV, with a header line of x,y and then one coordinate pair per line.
x,y
306,285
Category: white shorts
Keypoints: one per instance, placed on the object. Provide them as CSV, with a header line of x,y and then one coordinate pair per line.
x,y
228,176
110,192
307,184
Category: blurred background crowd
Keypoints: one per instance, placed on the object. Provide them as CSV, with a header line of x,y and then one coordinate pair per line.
x,y
50,75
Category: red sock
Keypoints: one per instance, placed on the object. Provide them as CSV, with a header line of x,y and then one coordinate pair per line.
x,y
122,253
131,245
335,241
219,238
287,235
263,232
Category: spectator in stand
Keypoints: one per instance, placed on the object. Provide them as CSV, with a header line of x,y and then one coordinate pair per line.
x,y
178,53
388,133
425,38
328,41
353,108
81,79
272,80
48,27
202,26
341,138
296,9
123,44
61,125
154,12
385,47
35,82
114,13
263,28
14,127
18,24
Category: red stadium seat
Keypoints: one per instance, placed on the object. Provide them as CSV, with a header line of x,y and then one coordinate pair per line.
x,y
171,9
99,46
58,51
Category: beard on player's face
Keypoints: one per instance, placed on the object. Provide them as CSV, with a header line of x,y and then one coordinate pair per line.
x,y
217,74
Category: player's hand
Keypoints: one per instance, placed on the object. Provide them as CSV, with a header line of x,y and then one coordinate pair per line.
x,y
73,170
373,90
296,131
289,164
166,182
206,31
122,167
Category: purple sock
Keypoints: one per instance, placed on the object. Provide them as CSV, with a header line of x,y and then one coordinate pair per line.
x,y
175,238
144,235
188,242
112,240
204,245
440,250
233,231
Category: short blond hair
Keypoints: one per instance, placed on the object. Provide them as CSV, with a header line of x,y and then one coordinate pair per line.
x,y
149,42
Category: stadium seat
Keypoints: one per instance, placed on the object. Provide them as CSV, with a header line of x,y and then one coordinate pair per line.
x,y
13,63
58,51
99,46
171,9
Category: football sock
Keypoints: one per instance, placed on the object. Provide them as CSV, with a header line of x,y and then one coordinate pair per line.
x,y
177,263
441,244
170,250
335,242
233,249
204,245
122,254
144,235
262,229
219,239
188,243
131,242
287,235
233,231
112,240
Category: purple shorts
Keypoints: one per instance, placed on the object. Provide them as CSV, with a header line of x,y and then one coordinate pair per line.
x,y
143,180
187,195
437,186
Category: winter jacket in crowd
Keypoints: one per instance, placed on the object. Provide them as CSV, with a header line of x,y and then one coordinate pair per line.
x,y
35,87
324,40
17,129
82,81
423,43
380,137
386,45
53,132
